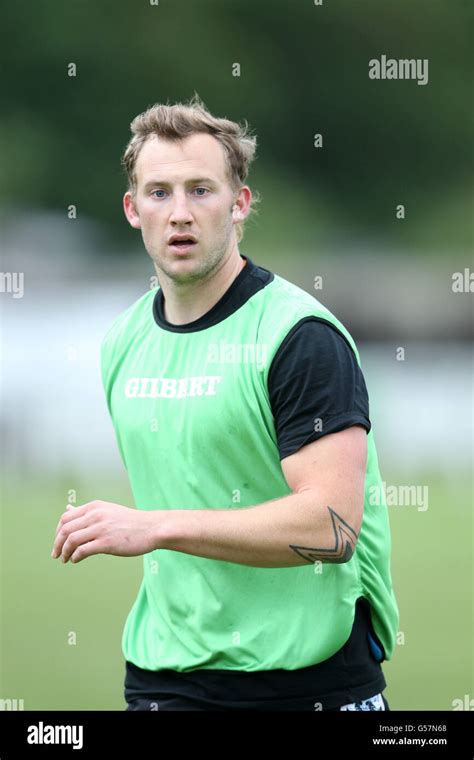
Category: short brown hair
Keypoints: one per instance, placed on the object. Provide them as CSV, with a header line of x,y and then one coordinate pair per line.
x,y
178,121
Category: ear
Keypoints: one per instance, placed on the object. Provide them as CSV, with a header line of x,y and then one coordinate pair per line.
x,y
130,210
241,207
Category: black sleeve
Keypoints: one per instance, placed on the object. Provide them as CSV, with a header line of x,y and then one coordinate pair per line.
x,y
315,376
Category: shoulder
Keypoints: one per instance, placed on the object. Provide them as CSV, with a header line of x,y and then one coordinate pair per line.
x,y
314,337
313,347
290,314
293,297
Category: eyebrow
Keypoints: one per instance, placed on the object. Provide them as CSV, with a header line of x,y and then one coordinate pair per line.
x,y
193,181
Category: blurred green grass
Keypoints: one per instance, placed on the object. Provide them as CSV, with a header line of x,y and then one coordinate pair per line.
x,y
44,601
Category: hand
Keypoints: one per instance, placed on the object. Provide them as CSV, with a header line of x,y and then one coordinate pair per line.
x,y
101,527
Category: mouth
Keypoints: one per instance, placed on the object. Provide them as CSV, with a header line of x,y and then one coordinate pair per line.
x,y
182,246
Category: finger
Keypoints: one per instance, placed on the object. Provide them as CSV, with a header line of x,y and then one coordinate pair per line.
x,y
65,531
87,550
76,540
70,514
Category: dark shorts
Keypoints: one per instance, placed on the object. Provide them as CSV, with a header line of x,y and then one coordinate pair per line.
x,y
377,702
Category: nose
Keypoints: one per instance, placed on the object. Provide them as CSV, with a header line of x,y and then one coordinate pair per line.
x,y
180,212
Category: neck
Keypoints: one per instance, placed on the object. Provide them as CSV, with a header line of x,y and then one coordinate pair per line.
x,y
187,302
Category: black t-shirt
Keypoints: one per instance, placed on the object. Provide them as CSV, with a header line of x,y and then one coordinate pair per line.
x,y
315,387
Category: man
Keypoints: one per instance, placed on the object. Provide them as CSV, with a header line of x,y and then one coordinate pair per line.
x,y
241,415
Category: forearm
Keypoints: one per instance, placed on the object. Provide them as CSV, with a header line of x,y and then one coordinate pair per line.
x,y
298,529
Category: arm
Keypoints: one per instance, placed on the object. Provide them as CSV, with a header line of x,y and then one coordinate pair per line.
x,y
319,521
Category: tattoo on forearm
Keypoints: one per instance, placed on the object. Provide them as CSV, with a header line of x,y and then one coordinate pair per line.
x,y
345,539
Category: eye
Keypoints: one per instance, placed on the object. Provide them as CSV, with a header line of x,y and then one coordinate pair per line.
x,y
202,188
157,191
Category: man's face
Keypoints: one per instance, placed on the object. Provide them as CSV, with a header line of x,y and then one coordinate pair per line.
x,y
183,189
